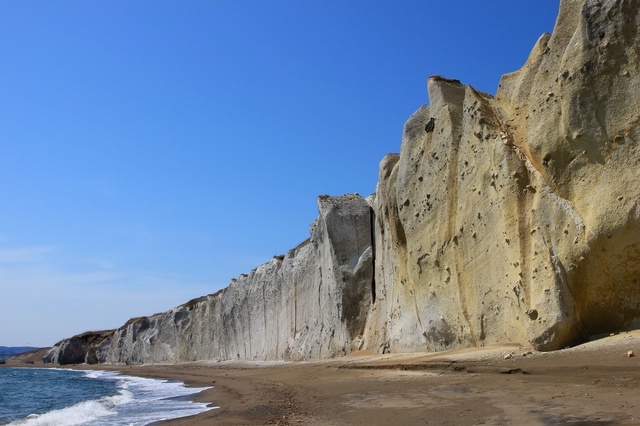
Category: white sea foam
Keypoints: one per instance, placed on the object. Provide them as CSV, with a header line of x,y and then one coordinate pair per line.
x,y
95,374
78,414
140,401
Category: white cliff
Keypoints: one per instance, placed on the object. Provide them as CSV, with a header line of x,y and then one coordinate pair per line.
x,y
310,303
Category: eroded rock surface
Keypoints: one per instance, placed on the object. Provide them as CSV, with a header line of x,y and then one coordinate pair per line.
x,y
574,110
513,218
89,348
310,303
517,218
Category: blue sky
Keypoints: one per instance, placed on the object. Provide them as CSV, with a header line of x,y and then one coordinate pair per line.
x,y
150,151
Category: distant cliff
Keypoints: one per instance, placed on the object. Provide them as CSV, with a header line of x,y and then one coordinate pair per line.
x,y
9,351
513,218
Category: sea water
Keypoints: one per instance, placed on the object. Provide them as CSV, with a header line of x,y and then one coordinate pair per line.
x,y
60,397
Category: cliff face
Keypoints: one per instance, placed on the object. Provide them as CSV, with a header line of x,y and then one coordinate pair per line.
x,y
574,110
506,219
465,222
516,218
310,303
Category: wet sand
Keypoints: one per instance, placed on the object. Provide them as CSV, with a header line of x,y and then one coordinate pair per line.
x,y
593,384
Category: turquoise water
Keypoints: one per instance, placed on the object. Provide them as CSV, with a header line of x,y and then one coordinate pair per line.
x,y
34,397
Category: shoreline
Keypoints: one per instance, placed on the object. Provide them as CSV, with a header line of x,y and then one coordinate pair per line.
x,y
596,382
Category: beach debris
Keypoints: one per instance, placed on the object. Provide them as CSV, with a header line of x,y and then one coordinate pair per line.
x,y
630,354
514,371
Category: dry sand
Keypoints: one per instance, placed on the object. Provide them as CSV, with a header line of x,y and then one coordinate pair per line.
x,y
592,384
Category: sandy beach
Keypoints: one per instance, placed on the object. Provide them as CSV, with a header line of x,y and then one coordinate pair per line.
x,y
594,383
